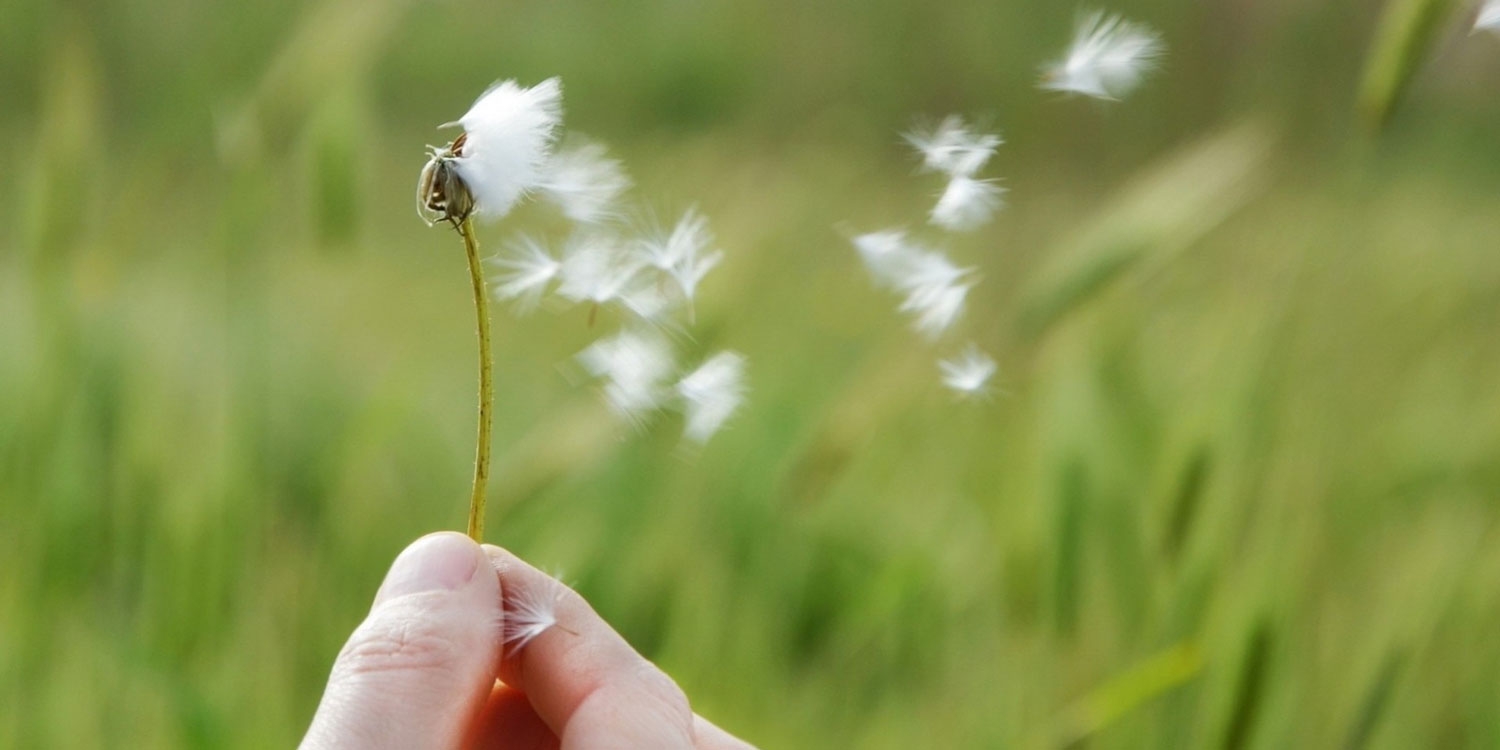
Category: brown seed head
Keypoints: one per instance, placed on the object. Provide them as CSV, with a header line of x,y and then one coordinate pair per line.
x,y
441,192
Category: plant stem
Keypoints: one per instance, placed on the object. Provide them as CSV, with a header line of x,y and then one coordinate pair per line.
x,y
486,383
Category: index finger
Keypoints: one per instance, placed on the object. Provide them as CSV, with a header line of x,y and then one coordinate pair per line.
x,y
590,687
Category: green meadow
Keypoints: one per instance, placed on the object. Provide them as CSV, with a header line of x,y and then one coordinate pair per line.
x,y
1237,485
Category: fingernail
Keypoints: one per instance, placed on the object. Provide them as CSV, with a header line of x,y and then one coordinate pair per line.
x,y
437,562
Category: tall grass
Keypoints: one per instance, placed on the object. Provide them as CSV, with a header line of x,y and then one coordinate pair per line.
x,y
1240,493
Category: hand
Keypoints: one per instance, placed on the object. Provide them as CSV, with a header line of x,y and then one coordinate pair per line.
x,y
428,668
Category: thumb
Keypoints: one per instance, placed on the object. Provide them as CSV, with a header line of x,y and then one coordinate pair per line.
x,y
422,663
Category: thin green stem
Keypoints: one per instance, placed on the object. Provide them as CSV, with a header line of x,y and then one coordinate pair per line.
x,y
486,383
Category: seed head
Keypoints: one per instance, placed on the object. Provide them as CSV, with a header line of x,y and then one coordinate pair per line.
x,y
507,139
441,193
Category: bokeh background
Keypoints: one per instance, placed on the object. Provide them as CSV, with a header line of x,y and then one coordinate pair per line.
x,y
1238,487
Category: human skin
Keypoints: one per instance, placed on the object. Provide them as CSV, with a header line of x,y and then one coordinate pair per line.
x,y
428,668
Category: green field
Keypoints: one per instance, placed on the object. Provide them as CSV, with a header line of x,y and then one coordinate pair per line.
x,y
1239,486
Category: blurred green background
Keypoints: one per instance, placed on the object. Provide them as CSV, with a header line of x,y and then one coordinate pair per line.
x,y
1239,490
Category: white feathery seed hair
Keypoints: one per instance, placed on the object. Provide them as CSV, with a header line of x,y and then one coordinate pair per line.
x,y
650,277
887,256
597,268
935,306
636,367
1107,59
691,271
967,204
681,255
647,300
1489,16
936,290
711,394
530,611
526,271
952,147
508,138
969,373
505,154
584,182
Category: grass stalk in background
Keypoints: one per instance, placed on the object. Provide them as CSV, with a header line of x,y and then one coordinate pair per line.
x,y
1138,685
1162,212
1405,36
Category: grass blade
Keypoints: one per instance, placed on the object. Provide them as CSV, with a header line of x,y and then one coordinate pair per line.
x,y
1128,691
1250,693
1406,33
1072,507
1162,212
1375,702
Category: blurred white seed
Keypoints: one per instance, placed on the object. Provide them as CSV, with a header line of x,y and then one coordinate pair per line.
x,y
526,270
887,255
930,268
952,147
935,289
967,204
508,137
646,299
651,277
681,255
585,182
1489,16
636,367
597,268
530,611
689,236
969,373
688,274
936,306
711,394
1107,59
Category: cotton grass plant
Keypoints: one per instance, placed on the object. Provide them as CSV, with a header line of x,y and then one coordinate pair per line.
x,y
507,137
506,153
